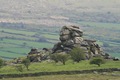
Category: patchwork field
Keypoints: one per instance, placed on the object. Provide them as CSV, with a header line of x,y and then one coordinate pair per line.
x,y
17,42
106,34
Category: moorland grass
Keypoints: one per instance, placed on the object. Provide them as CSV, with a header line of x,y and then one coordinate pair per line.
x,y
109,76
53,67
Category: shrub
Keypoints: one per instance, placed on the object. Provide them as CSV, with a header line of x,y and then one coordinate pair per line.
x,y
26,63
19,68
54,57
62,57
77,54
97,61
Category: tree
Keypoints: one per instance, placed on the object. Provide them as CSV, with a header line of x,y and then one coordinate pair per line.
x,y
54,57
19,68
26,63
97,61
1,63
77,54
62,57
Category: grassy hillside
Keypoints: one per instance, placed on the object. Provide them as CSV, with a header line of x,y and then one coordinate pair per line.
x,y
53,67
26,24
55,12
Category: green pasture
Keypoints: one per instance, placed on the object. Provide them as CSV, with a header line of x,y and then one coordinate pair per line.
x,y
14,36
17,48
23,39
113,43
51,66
83,65
104,30
102,25
23,32
6,45
40,44
51,36
10,55
117,55
28,43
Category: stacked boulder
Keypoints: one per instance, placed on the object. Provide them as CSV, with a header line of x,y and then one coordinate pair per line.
x,y
37,56
71,37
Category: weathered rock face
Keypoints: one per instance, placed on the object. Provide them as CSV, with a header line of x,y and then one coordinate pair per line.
x,y
69,37
72,36
37,56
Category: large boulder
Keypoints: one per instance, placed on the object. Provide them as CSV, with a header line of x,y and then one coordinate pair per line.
x,y
68,43
37,56
65,37
69,32
71,37
78,40
33,51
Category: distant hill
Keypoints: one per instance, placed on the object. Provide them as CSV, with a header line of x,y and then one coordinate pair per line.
x,y
59,12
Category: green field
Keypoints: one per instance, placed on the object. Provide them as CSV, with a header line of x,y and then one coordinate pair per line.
x,y
22,32
51,67
104,33
51,36
17,43
20,41
70,66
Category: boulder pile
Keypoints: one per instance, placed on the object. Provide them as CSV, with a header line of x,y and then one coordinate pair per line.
x,y
37,56
71,37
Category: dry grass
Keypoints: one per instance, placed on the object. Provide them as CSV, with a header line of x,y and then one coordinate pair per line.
x,y
70,77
